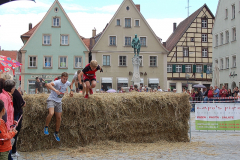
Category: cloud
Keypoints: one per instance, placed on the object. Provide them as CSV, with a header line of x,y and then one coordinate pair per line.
x,y
110,8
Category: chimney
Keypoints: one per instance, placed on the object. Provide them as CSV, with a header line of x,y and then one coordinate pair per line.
x,y
174,26
164,44
138,7
30,26
94,32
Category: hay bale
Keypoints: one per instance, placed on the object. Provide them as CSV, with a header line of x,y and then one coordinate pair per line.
x,y
126,117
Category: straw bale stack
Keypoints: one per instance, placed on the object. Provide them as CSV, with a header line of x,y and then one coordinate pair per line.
x,y
126,117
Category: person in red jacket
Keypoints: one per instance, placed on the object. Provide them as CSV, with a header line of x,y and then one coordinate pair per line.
x,y
210,93
89,74
223,93
5,135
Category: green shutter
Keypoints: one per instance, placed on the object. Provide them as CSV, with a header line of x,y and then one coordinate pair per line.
x,y
205,68
194,68
183,68
174,68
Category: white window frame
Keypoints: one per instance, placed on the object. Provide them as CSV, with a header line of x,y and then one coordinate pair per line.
x,y
221,63
178,68
185,51
216,38
204,38
59,62
44,63
117,22
54,23
169,68
106,60
145,41
227,62
233,11
119,63
150,60
204,52
141,64
204,23
30,61
130,22
43,39
135,22
221,36
109,40
64,35
227,36
188,68
130,42
74,61
234,61
199,68
234,34
226,13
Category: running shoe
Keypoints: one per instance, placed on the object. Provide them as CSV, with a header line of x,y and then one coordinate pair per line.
x,y
46,131
56,135
90,90
86,96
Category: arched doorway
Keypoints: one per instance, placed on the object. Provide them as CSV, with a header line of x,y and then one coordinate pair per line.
x,y
233,85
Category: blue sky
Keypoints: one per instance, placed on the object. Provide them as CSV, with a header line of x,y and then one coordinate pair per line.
x,y
15,16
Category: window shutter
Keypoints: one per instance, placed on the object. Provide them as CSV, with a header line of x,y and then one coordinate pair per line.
x,y
205,69
183,68
194,68
174,68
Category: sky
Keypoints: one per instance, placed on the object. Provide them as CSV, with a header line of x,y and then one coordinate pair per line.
x,y
85,15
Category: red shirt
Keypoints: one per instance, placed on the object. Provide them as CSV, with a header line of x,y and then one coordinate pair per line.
x,y
223,93
7,136
89,72
210,93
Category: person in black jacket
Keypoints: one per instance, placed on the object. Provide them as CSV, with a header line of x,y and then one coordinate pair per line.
x,y
18,103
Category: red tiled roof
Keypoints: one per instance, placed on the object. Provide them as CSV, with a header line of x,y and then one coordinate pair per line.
x,y
87,42
182,28
31,31
11,54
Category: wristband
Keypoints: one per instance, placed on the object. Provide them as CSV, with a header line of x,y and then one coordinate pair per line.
x,y
72,90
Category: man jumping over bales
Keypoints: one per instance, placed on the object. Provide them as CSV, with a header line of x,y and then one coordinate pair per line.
x,y
54,102
76,81
89,75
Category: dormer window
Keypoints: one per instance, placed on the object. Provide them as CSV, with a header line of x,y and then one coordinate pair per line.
x,y
56,22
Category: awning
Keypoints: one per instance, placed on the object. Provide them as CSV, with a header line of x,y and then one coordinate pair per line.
x,y
122,80
153,81
106,80
141,80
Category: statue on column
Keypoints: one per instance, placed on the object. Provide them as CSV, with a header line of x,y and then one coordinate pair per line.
x,y
136,44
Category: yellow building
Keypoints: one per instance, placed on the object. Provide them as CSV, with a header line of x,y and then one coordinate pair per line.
x,y
112,49
189,61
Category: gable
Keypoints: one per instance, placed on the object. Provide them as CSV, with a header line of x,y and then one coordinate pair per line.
x,y
144,30
45,27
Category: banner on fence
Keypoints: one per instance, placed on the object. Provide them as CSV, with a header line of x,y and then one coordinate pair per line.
x,y
217,116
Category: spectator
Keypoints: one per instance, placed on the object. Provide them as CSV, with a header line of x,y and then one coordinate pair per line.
x,y
223,92
199,95
210,93
174,90
146,87
193,94
229,93
140,89
205,94
38,85
24,92
131,88
155,90
188,91
236,91
169,90
216,91
102,89
159,89
121,91
145,90
136,88
184,90
151,90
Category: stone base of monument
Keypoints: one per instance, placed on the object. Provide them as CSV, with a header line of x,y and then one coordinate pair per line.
x,y
136,61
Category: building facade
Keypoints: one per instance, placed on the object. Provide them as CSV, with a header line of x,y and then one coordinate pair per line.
x,y
189,61
51,47
112,49
226,44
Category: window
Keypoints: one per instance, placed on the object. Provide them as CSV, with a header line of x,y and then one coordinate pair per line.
x,y
234,34
118,22
204,52
204,23
56,9
128,22
127,41
47,61
216,37
112,40
62,62
46,39
141,57
179,68
143,41
221,38
185,51
204,37
122,60
64,39
234,62
56,22
32,61
192,39
226,13
153,61
169,68
227,37
137,23
227,63
188,68
78,62
106,60
221,63
199,68
233,11
209,69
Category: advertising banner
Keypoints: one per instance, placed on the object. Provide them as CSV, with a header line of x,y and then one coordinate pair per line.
x,y
217,116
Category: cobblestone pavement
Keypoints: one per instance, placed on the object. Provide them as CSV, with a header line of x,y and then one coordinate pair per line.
x,y
203,145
